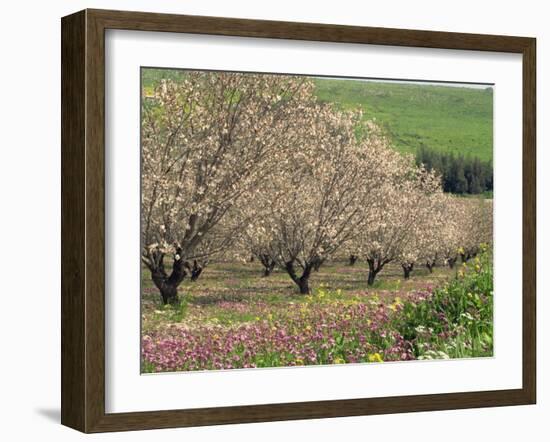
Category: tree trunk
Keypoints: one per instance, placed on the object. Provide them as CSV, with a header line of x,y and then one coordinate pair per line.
x,y
430,266
195,274
169,293
301,281
372,275
268,263
168,284
353,259
407,269
303,284
451,262
317,264
374,268
269,269
195,269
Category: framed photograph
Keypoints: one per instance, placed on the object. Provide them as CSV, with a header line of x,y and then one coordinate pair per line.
x,y
268,221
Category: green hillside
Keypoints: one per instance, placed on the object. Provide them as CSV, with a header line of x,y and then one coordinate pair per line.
x,y
442,118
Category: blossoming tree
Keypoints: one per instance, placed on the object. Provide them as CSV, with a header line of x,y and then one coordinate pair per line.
x,y
207,141
398,227
476,226
326,195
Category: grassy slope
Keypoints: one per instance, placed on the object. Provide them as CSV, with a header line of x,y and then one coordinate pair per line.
x,y
441,117
150,77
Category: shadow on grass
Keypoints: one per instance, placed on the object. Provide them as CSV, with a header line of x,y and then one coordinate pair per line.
x,y
243,282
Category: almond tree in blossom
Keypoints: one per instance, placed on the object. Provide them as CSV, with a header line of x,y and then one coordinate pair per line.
x,y
206,142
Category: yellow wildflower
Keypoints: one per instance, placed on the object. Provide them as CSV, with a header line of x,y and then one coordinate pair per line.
x,y
375,358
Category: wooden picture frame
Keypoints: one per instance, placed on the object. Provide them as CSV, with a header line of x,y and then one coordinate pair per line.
x,y
83,220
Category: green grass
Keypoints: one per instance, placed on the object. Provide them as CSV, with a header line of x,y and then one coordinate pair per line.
x,y
444,118
151,77
235,282
466,303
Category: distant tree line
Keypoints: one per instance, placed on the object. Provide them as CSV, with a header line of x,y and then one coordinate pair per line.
x,y
460,174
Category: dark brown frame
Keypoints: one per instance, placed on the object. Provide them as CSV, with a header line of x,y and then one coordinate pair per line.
x,y
83,216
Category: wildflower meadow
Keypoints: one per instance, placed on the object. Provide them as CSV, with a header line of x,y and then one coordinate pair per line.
x,y
223,325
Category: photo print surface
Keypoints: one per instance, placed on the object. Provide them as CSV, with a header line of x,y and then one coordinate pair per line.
x,y
298,221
